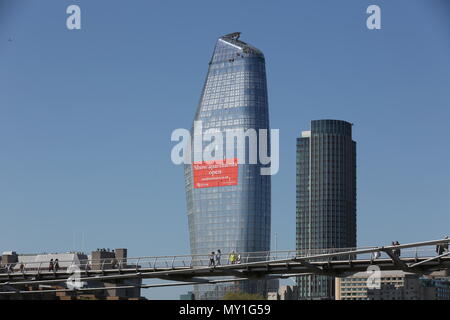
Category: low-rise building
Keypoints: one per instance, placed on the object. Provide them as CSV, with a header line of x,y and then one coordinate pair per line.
x,y
392,285
99,259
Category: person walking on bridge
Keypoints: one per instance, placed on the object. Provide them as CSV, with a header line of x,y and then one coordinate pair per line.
x,y
211,260
375,255
232,258
442,247
218,255
50,265
56,265
397,251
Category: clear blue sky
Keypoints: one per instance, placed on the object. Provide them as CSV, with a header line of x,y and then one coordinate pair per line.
x,y
86,116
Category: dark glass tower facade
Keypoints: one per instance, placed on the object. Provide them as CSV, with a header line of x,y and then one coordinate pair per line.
x,y
326,197
234,217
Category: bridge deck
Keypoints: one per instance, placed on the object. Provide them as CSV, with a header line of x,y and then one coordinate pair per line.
x,y
258,266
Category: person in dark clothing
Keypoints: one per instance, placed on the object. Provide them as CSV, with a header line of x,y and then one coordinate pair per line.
x,y
56,265
442,247
50,265
211,259
445,245
396,251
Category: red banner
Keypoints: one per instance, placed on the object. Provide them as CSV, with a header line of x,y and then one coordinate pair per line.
x,y
221,173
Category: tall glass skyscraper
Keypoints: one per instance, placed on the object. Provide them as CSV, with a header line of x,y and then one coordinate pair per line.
x,y
326,197
232,213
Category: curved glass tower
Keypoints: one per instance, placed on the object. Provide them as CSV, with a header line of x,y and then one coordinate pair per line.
x,y
231,214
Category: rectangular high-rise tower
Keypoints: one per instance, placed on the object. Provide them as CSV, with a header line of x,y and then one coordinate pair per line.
x,y
231,210
326,197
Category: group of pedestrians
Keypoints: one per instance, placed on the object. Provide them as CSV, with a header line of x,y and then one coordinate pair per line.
x,y
441,248
215,258
396,251
53,265
235,258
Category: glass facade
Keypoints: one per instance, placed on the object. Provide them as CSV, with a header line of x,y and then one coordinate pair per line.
x,y
234,217
326,197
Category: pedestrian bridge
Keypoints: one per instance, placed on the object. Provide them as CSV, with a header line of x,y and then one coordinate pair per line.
x,y
420,258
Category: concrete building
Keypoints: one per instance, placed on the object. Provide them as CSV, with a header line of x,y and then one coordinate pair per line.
x,y
101,258
115,259
437,288
393,285
8,257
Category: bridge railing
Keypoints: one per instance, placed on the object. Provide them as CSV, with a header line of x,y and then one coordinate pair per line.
x,y
418,250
